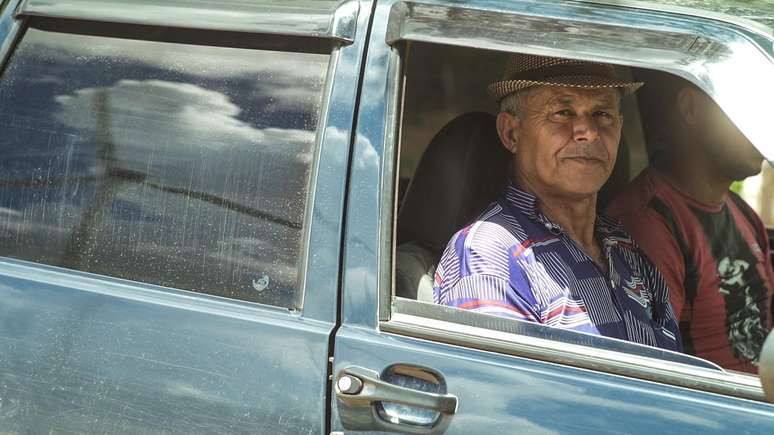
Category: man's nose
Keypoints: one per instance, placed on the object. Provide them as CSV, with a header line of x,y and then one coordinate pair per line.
x,y
584,128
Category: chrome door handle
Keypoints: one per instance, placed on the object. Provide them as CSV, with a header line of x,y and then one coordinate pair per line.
x,y
357,386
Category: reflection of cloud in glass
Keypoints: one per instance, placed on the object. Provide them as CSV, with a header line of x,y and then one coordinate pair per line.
x,y
179,118
288,78
368,158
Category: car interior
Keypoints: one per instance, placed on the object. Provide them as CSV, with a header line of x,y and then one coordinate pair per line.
x,y
451,164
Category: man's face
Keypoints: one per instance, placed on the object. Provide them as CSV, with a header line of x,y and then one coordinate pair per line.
x,y
566,141
729,150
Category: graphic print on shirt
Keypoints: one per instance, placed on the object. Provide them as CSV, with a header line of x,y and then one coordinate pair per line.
x,y
635,289
740,284
746,332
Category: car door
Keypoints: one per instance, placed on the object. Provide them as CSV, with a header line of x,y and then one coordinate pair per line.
x,y
171,193
405,366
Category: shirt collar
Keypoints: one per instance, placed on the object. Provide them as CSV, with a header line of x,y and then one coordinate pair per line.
x,y
527,204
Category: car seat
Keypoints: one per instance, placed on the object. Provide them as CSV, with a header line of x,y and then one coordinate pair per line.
x,y
464,168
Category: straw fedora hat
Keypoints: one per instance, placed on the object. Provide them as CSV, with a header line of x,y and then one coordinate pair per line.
x,y
527,70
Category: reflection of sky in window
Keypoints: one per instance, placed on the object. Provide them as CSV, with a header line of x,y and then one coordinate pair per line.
x,y
170,101
234,126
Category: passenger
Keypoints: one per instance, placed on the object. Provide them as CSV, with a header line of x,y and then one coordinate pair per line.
x,y
541,253
710,246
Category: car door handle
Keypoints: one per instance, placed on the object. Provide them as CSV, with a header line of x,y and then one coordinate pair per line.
x,y
357,386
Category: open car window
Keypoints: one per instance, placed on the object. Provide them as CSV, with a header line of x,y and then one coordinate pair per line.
x,y
445,86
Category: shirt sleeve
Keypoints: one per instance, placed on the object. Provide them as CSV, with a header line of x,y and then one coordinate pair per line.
x,y
653,235
492,295
478,275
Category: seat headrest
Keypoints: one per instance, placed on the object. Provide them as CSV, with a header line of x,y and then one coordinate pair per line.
x,y
464,168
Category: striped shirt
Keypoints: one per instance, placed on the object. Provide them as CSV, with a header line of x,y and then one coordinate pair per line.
x,y
514,262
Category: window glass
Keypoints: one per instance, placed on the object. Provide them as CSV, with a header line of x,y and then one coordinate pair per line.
x,y
167,163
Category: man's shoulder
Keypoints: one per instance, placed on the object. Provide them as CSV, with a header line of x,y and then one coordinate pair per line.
x,y
636,196
648,198
496,231
493,232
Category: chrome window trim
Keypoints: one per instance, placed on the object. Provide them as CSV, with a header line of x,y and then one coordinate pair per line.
x,y
14,31
390,173
333,19
702,50
575,355
558,336
322,124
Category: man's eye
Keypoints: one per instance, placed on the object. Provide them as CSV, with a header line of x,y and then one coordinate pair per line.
x,y
563,113
603,114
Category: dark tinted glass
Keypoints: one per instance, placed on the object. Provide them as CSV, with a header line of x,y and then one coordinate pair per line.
x,y
167,163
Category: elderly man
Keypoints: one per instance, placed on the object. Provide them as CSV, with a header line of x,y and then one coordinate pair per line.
x,y
540,253
711,247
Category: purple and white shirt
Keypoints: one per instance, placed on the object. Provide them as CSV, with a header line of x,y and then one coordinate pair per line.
x,y
514,262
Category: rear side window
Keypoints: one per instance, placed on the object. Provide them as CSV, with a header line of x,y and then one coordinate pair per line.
x,y
175,164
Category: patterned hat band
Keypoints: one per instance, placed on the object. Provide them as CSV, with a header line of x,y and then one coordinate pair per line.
x,y
548,72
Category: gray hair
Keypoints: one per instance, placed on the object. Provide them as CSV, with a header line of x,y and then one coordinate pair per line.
x,y
513,103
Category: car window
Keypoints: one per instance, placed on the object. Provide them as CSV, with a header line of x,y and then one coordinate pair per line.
x,y
448,128
448,133
170,163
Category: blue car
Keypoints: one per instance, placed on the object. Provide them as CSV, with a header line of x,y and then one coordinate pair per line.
x,y
206,219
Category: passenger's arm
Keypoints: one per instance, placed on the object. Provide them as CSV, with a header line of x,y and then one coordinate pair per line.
x,y
492,295
477,275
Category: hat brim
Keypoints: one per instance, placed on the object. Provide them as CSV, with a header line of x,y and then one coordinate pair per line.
x,y
500,89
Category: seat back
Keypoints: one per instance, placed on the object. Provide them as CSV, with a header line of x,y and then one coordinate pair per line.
x,y
464,168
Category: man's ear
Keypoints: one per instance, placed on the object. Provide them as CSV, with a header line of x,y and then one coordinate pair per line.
x,y
687,105
509,130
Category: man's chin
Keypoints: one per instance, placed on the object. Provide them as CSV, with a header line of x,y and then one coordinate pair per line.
x,y
741,173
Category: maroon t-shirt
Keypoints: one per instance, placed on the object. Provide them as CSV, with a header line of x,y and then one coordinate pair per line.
x,y
715,260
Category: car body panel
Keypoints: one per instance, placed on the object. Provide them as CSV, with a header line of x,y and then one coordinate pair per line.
x,y
507,394
83,354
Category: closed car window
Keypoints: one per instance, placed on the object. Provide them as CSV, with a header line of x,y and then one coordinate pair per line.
x,y
174,164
